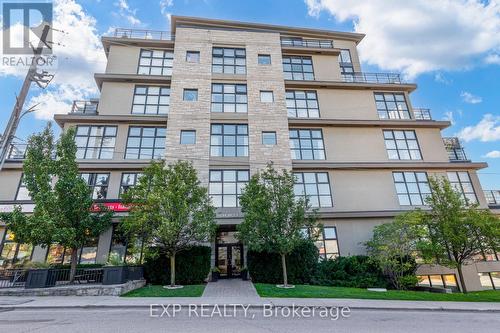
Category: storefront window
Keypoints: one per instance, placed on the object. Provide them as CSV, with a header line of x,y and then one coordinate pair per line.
x,y
11,252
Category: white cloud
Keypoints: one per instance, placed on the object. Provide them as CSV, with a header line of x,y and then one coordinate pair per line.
x,y
164,8
420,36
493,59
127,13
439,77
467,97
448,116
493,154
488,129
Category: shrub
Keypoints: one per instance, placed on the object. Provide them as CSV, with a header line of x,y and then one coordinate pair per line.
x,y
191,266
354,271
265,267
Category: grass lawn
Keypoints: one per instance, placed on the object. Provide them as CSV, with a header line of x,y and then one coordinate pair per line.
x,y
307,291
195,290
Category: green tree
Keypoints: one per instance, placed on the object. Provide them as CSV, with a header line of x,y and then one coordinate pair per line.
x,y
170,209
273,218
64,211
393,247
458,232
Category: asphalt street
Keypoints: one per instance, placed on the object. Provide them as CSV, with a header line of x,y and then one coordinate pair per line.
x,y
254,320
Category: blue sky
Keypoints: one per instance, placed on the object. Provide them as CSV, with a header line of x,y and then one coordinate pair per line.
x,y
450,48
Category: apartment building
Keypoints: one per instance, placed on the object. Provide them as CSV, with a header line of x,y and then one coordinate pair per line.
x,y
233,96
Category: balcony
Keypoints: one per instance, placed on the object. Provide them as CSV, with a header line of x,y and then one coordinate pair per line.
x,y
422,114
143,34
311,43
383,78
456,152
17,151
85,107
492,197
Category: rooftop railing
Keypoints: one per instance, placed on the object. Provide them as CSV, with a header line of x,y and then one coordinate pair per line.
x,y
493,197
302,42
456,152
143,34
85,107
422,114
383,78
17,151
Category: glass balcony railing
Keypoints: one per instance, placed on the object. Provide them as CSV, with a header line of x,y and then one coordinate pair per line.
x,y
85,107
383,78
143,34
456,152
422,114
303,42
493,197
17,151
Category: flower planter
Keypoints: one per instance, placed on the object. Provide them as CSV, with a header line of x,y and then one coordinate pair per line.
x,y
114,275
40,278
135,273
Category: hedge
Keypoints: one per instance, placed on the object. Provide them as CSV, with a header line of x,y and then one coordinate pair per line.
x,y
191,266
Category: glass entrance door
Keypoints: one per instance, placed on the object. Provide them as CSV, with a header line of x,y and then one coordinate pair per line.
x,y
229,260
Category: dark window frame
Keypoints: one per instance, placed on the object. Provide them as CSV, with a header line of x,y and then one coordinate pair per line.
x,y
229,61
459,185
236,181
240,97
186,93
163,93
223,134
20,185
301,149
185,132
345,65
275,138
295,64
300,180
398,150
125,187
382,98
293,112
166,70
100,138
262,56
157,152
420,185
195,53
92,183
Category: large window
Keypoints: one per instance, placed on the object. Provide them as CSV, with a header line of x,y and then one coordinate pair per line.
x,y
58,254
22,192
228,60
225,186
302,104
98,183
229,97
490,280
11,252
155,62
412,188
298,68
151,100
438,281
145,143
402,145
307,144
326,242
460,180
229,140
129,180
95,142
315,186
345,62
391,106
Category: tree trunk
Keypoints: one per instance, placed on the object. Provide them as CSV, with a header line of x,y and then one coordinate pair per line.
x,y
461,278
72,272
172,270
283,265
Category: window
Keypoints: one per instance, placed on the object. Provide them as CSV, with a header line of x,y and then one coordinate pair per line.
x,y
438,281
229,97
412,188
229,140
145,143
95,142
151,100
193,56
190,95
315,186
326,242
129,180
155,62
462,183
269,138
391,106
345,62
120,244
298,68
12,252
22,192
307,144
58,254
88,253
188,137
98,183
266,96
302,104
490,280
228,60
225,186
264,59
402,145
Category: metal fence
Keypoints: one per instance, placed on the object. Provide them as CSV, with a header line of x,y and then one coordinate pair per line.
x,y
358,77
85,107
493,197
17,151
13,278
143,34
422,114
83,276
301,42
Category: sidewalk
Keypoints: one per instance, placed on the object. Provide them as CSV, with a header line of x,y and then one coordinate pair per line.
x,y
112,302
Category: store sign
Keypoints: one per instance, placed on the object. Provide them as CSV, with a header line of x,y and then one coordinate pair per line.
x,y
28,208
113,206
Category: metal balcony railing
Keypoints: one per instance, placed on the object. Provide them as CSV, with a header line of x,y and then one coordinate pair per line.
x,y
85,107
422,114
383,78
302,42
143,34
456,152
493,197
17,151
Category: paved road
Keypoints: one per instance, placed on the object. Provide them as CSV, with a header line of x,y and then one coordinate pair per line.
x,y
139,320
